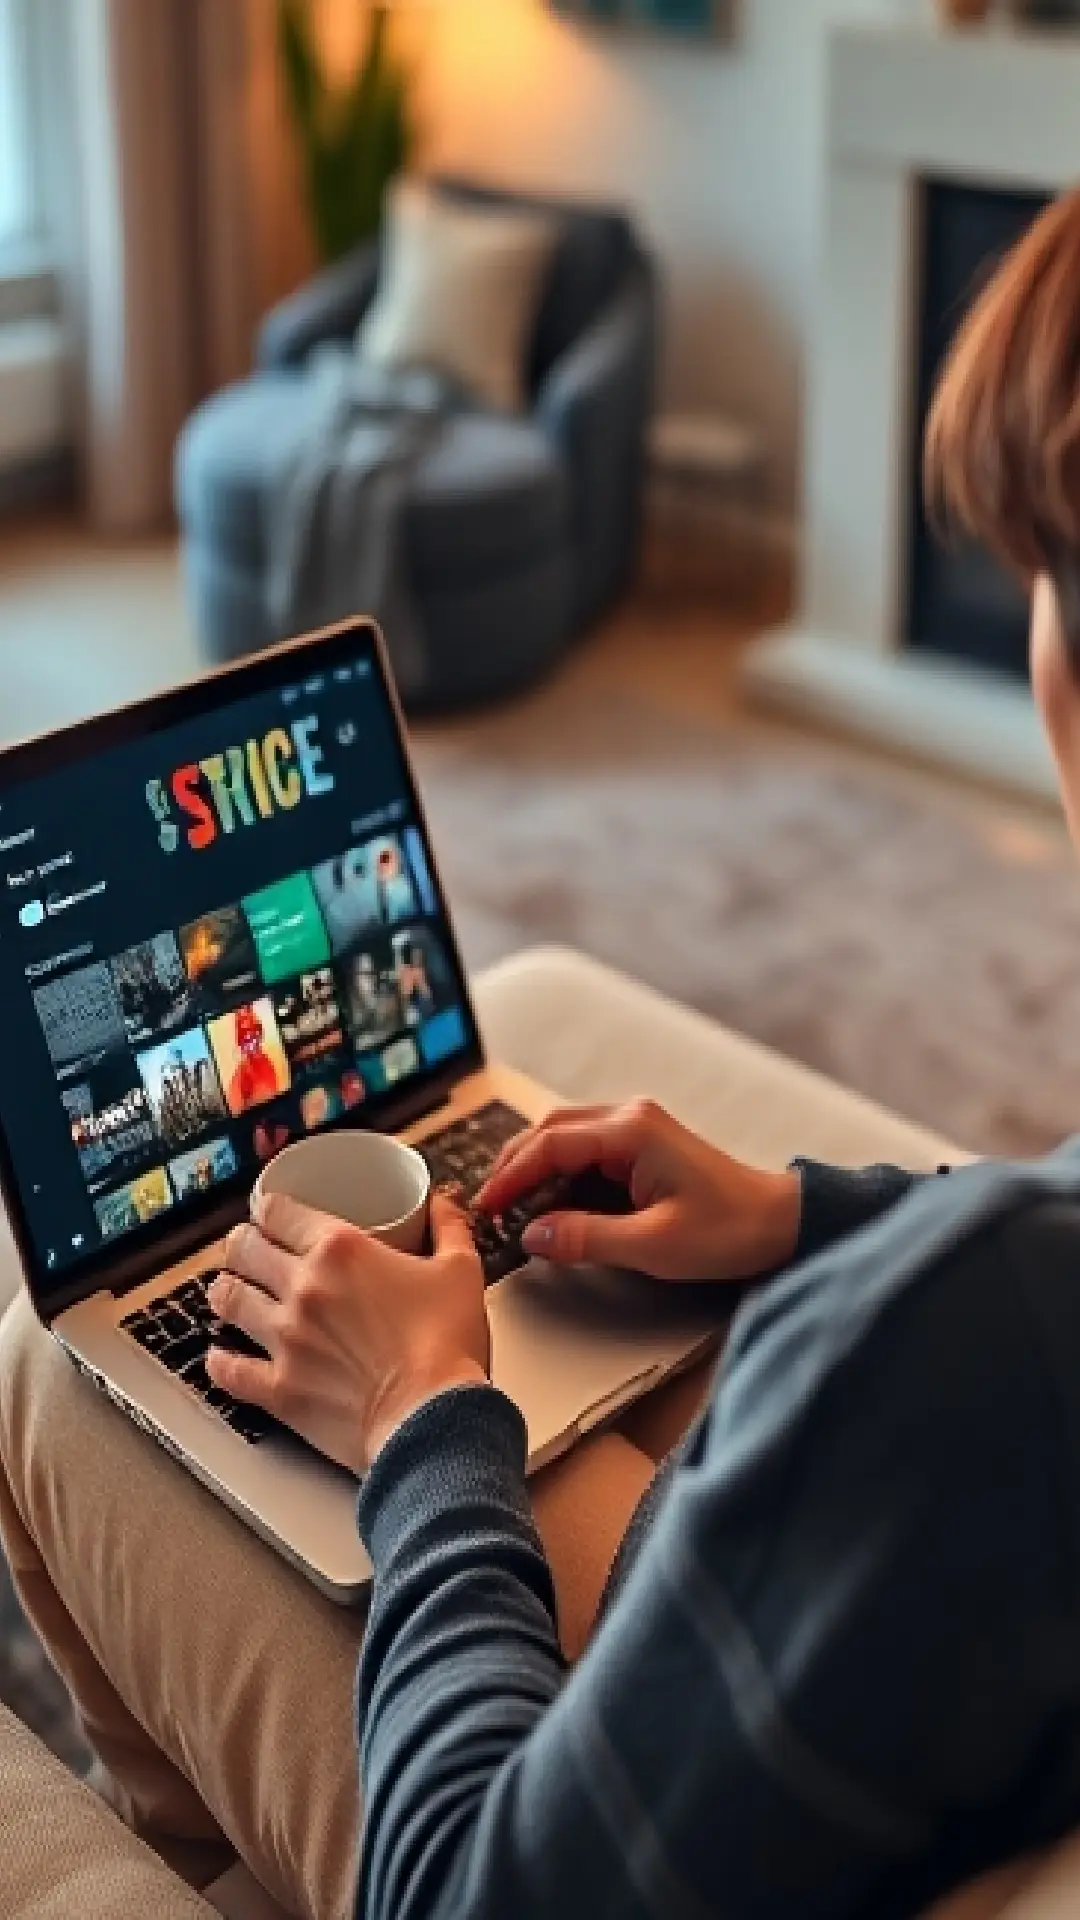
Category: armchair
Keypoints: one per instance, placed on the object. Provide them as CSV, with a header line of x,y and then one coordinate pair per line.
x,y
329,307
519,532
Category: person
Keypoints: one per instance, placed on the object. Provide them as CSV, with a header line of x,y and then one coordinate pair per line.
x,y
255,1078
413,983
393,887
835,1666
375,1001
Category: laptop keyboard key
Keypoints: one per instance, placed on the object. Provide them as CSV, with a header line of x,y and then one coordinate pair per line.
x,y
197,1377
234,1340
146,1332
251,1423
195,1304
181,1353
173,1323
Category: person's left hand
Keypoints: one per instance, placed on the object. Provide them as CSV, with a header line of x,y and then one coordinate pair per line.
x,y
358,1336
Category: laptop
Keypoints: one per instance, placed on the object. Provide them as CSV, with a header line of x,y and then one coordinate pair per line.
x,y
221,930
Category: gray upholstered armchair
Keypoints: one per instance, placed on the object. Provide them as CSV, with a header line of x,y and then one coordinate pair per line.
x,y
519,531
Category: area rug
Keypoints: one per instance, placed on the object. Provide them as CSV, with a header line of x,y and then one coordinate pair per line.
x,y
925,953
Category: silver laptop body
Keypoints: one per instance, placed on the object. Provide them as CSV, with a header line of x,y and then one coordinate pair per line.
x,y
221,927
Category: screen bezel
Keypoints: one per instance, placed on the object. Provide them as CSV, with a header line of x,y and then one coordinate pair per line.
x,y
160,1244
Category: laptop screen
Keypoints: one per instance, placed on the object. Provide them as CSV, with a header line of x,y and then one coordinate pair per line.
x,y
220,931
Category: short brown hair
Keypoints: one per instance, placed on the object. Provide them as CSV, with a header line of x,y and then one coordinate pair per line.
x,y
1002,458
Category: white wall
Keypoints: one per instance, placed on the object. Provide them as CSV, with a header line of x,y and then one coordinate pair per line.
x,y
716,147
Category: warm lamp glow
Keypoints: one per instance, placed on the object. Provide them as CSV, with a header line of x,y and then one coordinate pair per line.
x,y
514,79
342,30
343,24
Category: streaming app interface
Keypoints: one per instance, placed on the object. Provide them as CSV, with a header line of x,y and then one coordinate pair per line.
x,y
213,941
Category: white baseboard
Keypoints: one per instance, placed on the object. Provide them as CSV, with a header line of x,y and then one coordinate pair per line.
x,y
943,711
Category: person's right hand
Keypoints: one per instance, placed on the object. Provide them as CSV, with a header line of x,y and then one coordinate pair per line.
x,y
697,1214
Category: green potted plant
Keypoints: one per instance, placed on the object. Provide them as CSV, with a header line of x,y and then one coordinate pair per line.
x,y
355,136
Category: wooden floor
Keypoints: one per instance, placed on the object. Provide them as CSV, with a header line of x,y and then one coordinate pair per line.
x,y
85,624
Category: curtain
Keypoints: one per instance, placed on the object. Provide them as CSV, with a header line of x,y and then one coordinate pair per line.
x,y
149,195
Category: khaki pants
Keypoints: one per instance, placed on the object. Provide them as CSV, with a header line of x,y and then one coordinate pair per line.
x,y
214,1684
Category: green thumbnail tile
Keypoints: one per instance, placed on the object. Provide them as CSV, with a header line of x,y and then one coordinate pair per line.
x,y
288,929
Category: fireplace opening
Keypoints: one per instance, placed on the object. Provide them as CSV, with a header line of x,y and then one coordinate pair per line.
x,y
960,602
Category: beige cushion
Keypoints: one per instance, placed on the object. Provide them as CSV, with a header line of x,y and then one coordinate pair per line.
x,y
64,1853
591,1034
459,292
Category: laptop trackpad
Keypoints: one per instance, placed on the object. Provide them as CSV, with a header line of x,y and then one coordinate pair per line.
x,y
573,1346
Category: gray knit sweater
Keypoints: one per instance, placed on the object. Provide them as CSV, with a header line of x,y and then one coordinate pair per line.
x,y
840,1672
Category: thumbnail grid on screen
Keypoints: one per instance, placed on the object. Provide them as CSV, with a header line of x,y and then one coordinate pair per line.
x,y
206,1048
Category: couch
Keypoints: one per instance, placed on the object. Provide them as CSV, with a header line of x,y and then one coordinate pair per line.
x,y
520,530
591,1034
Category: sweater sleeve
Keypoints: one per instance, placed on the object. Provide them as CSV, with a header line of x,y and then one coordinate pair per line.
x,y
837,1201
801,1701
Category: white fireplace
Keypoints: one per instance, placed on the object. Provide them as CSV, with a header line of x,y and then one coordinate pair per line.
x,y
907,105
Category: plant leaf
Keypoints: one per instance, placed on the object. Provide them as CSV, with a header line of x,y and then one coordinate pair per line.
x,y
303,76
355,139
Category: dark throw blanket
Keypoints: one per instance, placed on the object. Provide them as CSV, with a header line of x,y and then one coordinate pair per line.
x,y
336,511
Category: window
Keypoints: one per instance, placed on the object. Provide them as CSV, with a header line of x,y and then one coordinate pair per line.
x,y
17,198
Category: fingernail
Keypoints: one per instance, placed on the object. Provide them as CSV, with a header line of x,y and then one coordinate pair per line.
x,y
539,1237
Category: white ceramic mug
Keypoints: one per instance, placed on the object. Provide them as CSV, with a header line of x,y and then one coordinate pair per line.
x,y
369,1179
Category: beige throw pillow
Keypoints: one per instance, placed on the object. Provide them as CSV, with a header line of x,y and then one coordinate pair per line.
x,y
459,292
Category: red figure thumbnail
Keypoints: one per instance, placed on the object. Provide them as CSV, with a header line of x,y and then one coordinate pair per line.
x,y
255,1079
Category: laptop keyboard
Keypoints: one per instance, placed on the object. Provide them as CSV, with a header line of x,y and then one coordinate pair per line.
x,y
179,1327
178,1330
461,1157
